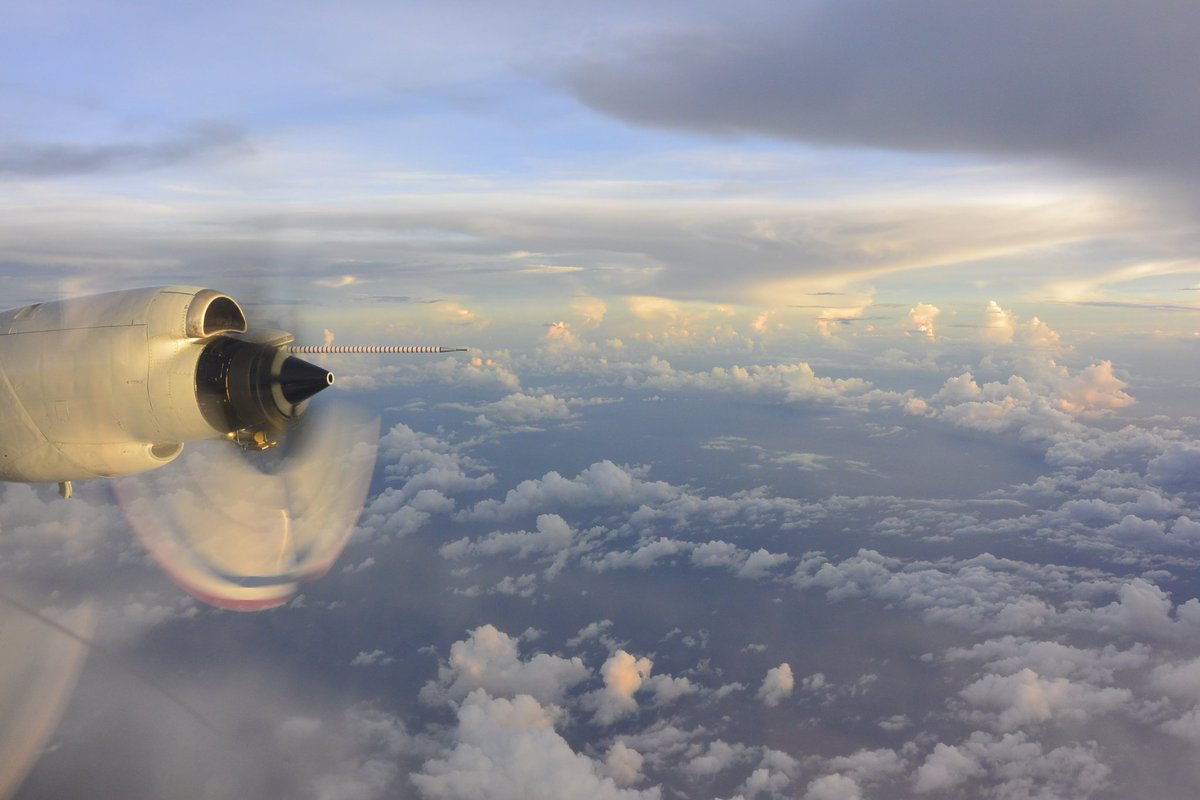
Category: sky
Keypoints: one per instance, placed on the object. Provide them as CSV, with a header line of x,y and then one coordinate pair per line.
x,y
825,430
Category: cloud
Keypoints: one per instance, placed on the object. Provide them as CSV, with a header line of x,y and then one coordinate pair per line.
x,y
365,659
667,689
1093,389
742,563
525,408
945,768
833,787
336,283
921,319
509,750
552,535
999,326
428,470
1177,467
42,160
601,484
789,383
1045,406
1009,654
1186,727
1011,765
1025,698
489,659
716,758
927,76
624,764
777,685
598,630
560,337
981,592
362,374
589,310
623,677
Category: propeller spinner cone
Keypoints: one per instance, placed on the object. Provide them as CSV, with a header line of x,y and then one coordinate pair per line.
x,y
299,380
242,385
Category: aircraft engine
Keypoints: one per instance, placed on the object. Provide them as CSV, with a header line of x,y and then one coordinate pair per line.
x,y
115,384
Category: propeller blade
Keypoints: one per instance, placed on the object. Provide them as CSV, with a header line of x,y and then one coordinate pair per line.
x,y
240,535
42,658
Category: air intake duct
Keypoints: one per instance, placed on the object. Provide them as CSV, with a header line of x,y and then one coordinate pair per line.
x,y
243,385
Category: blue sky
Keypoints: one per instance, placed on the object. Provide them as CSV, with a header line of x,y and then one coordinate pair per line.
x,y
827,427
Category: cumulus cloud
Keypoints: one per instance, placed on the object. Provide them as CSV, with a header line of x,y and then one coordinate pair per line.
x,y
791,383
553,534
834,787
603,483
777,686
420,461
999,326
1048,406
921,319
945,768
623,675
715,759
742,563
509,750
673,320
1177,467
1094,388
521,407
980,592
1186,727
667,689
1009,654
590,310
489,659
1011,765
624,764
1026,697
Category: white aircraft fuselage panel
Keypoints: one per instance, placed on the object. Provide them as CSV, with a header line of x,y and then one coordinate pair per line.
x,y
105,385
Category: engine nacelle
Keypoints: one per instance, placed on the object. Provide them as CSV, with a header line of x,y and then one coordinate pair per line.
x,y
115,384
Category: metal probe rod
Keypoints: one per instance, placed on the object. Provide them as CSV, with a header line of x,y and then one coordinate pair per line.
x,y
330,348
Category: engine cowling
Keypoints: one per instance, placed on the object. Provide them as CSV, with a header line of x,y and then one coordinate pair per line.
x,y
116,383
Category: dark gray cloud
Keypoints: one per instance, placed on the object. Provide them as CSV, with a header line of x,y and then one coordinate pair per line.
x,y
44,160
1103,82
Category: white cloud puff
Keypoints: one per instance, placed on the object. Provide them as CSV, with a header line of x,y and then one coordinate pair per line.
x,y
526,408
1012,766
489,659
834,787
921,319
624,764
1009,654
590,310
667,689
716,758
602,483
1177,467
777,685
999,326
623,677
1026,697
509,750
946,767
552,535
